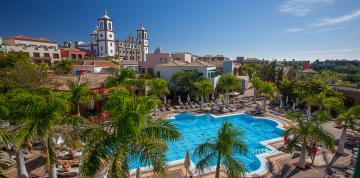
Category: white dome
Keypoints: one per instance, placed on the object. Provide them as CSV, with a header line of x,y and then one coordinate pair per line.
x,y
94,32
142,27
105,16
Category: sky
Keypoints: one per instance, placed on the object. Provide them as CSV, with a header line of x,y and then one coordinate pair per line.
x,y
270,29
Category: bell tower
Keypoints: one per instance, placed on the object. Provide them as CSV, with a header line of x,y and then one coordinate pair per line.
x,y
105,36
142,39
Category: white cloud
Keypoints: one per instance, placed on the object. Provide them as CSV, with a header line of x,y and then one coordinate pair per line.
x,y
303,7
338,20
294,30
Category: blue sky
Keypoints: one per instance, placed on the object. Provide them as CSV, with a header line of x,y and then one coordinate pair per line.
x,y
300,29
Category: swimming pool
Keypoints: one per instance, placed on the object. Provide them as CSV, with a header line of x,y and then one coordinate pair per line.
x,y
196,129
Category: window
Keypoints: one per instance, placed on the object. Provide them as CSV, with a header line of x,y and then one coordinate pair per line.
x,y
101,35
110,35
79,56
101,25
101,47
158,74
56,56
73,56
109,25
47,55
110,44
111,51
36,54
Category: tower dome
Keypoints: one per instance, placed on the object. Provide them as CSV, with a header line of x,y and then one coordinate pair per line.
x,y
105,16
142,27
158,50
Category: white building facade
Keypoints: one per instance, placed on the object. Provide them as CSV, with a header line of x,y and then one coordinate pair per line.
x,y
38,49
205,70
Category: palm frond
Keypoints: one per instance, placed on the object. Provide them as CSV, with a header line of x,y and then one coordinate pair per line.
x,y
233,167
161,129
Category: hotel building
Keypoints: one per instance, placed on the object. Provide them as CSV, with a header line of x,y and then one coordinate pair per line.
x,y
38,49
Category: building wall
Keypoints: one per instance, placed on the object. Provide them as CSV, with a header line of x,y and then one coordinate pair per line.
x,y
152,60
72,54
34,49
166,72
160,58
186,57
2,45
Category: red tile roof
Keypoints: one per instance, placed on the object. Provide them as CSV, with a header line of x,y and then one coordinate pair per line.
x,y
23,37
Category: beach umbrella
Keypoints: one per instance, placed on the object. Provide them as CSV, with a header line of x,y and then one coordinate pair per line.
x,y
138,173
188,98
212,96
293,106
164,100
197,98
179,100
308,111
187,162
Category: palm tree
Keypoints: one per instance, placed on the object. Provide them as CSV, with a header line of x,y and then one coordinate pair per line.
x,y
250,70
159,88
65,66
221,150
269,90
323,102
257,84
228,83
81,94
5,138
308,130
348,119
202,89
128,136
118,76
42,114
9,107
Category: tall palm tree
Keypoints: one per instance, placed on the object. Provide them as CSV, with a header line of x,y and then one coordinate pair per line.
x,y
43,113
9,111
118,76
128,136
159,88
228,83
202,89
348,119
227,142
81,94
268,89
257,84
307,131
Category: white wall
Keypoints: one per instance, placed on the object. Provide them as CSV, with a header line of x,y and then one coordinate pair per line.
x,y
166,72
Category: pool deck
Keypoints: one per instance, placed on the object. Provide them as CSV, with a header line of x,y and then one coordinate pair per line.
x,y
278,165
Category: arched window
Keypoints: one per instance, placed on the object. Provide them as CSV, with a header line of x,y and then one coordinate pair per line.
x,y
109,25
101,26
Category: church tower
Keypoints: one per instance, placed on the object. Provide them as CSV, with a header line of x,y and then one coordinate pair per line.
x,y
105,37
142,39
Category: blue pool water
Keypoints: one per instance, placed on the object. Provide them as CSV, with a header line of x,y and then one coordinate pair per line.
x,y
196,129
